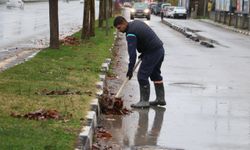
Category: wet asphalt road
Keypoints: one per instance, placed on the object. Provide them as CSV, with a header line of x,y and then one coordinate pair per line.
x,y
207,93
28,29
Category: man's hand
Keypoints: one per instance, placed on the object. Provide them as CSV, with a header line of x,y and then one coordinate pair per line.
x,y
129,74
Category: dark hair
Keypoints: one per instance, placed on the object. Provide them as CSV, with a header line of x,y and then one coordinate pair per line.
x,y
119,20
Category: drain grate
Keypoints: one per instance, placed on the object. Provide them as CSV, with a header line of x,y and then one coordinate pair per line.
x,y
188,85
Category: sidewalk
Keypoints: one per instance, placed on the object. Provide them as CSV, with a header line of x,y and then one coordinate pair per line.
x,y
245,32
202,32
204,109
140,129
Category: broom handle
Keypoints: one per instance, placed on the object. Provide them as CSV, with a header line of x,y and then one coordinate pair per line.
x,y
126,80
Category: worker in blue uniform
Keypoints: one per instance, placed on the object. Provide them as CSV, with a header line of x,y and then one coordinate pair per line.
x,y
142,38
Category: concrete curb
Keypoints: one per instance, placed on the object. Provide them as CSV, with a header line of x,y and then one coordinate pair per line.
x,y
188,34
85,139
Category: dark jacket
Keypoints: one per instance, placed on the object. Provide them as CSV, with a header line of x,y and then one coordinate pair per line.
x,y
141,37
146,37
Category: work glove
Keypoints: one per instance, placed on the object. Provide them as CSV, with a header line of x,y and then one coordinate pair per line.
x,y
129,74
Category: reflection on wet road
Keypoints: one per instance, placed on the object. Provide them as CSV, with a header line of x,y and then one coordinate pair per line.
x,y
207,94
136,129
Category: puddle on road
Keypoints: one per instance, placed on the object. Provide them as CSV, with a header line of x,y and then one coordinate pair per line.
x,y
154,148
188,85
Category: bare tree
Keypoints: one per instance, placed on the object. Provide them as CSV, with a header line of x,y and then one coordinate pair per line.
x,y
54,24
86,20
106,5
110,8
92,18
101,14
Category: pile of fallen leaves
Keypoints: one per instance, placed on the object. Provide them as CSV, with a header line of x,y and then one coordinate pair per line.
x,y
58,92
111,105
70,41
101,134
41,114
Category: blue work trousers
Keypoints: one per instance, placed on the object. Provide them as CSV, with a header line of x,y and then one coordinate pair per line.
x,y
151,66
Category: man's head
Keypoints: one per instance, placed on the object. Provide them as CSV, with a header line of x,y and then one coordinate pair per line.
x,y
120,23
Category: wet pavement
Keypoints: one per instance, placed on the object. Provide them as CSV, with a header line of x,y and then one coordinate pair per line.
x,y
24,32
218,35
207,93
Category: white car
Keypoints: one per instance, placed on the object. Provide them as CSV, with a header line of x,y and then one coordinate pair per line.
x,y
177,12
166,10
15,3
127,4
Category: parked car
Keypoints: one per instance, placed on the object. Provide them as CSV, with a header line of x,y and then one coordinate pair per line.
x,y
177,12
15,3
167,10
151,6
127,4
164,7
140,10
157,9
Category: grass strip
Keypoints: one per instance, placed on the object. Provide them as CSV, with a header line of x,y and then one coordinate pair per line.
x,y
73,68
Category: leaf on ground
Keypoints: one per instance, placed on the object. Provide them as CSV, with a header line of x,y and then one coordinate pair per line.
x,y
110,105
102,133
41,114
70,41
58,92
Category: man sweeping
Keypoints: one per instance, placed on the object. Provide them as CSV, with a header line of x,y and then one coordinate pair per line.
x,y
142,38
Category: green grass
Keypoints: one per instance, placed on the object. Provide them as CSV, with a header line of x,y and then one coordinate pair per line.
x,y
71,67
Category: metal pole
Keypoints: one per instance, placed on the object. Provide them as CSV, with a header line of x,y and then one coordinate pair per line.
x,y
205,4
236,20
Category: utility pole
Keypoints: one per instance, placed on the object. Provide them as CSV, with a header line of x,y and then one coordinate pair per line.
x,y
205,6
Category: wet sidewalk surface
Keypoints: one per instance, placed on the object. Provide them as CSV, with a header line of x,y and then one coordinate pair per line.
x,y
207,101
142,126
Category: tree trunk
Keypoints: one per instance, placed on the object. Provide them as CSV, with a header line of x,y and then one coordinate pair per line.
x,y
86,21
92,18
106,4
110,8
54,24
101,14
104,9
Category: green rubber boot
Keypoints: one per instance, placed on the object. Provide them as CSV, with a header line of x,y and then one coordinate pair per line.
x,y
160,95
144,97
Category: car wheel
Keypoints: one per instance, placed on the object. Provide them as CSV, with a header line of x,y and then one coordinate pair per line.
x,y
148,17
132,17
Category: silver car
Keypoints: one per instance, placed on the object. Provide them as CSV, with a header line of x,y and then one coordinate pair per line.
x,y
177,12
140,10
